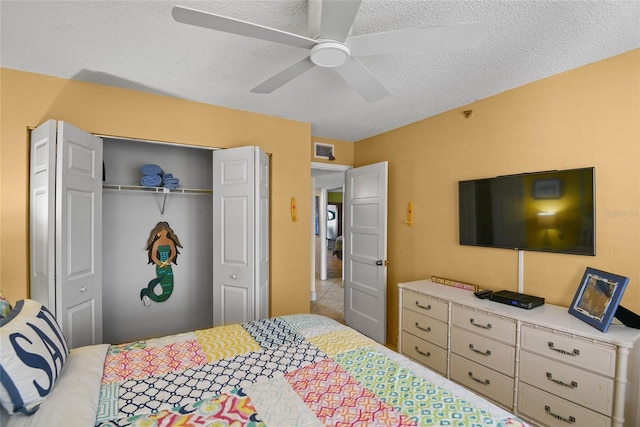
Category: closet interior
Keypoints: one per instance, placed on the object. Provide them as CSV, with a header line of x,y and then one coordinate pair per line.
x,y
130,212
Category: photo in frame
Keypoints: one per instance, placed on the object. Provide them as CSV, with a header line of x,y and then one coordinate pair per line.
x,y
598,297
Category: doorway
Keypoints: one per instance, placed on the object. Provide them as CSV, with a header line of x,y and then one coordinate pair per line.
x,y
330,292
327,291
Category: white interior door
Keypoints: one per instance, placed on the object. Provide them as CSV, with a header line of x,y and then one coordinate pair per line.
x,y
365,250
240,229
79,235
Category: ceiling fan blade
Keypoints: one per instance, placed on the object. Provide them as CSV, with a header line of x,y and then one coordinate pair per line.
x,y
198,18
362,80
419,40
284,76
332,19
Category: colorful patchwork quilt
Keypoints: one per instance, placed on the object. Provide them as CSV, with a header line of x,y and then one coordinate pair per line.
x,y
300,370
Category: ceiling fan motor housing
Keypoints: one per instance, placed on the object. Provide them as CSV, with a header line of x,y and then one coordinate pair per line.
x,y
329,54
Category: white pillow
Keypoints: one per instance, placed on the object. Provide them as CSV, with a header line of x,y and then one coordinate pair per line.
x,y
74,399
32,354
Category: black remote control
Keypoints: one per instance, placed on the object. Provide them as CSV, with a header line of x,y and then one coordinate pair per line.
x,y
484,294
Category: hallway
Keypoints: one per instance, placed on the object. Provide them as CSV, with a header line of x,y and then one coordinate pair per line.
x,y
330,293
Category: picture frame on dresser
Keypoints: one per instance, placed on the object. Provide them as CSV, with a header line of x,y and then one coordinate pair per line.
x,y
597,298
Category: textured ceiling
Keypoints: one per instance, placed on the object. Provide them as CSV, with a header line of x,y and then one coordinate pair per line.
x,y
138,45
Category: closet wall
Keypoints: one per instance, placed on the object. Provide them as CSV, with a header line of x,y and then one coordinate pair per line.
x,y
128,218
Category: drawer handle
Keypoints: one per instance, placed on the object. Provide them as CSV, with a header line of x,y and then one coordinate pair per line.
x,y
427,329
570,420
427,354
487,326
485,382
572,385
575,351
428,307
484,353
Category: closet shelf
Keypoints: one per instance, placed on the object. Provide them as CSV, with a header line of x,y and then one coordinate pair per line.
x,y
160,190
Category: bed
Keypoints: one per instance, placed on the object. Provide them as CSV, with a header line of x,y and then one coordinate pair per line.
x,y
296,370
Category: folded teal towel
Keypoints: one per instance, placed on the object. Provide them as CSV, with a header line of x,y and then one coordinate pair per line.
x,y
151,181
151,169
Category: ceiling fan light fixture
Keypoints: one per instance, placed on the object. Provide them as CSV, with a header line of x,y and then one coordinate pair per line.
x,y
330,54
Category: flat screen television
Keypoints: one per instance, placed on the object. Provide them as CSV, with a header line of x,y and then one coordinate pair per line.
x,y
551,211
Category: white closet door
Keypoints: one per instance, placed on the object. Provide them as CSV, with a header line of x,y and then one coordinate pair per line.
x,y
262,234
365,250
240,234
42,195
79,235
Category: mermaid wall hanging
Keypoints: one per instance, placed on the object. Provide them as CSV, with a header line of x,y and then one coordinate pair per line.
x,y
162,248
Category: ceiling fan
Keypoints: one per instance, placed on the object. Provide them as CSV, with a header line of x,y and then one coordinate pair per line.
x,y
330,22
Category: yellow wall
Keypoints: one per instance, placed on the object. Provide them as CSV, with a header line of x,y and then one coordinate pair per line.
x,y
334,197
586,117
30,99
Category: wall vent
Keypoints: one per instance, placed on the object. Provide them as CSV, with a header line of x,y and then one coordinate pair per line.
x,y
323,151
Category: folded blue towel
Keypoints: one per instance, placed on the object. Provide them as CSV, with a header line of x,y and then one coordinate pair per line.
x,y
151,181
168,177
151,169
168,181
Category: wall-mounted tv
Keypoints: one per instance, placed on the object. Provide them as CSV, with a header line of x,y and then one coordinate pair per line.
x,y
551,211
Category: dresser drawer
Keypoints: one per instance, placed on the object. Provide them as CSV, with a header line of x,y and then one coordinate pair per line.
x,y
491,384
424,352
585,388
425,327
575,352
552,411
426,305
492,354
481,322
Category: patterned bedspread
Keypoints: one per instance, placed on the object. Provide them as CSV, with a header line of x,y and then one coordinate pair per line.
x,y
300,370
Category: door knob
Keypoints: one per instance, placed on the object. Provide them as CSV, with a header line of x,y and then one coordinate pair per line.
x,y
83,289
234,276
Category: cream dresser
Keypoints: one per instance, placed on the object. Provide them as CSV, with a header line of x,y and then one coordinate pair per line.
x,y
544,364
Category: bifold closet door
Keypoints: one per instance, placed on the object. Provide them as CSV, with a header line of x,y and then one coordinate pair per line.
x,y
241,235
66,228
